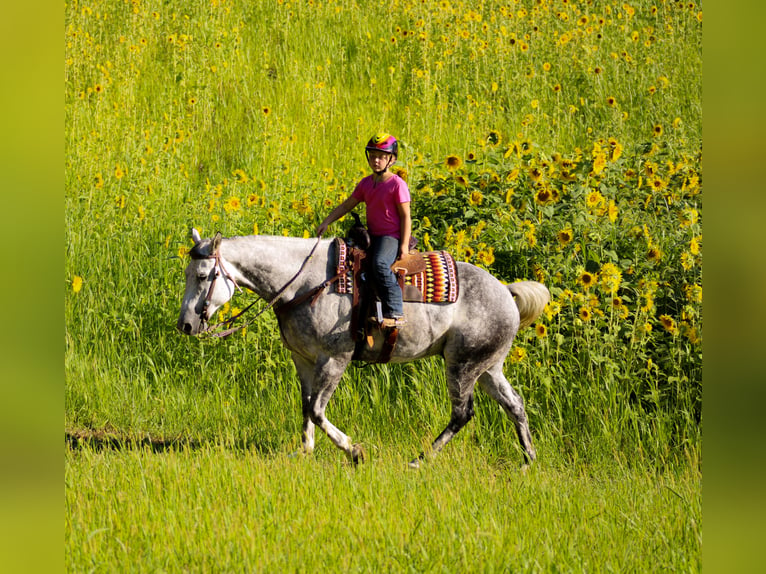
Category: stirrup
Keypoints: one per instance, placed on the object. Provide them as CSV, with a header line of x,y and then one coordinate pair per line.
x,y
393,322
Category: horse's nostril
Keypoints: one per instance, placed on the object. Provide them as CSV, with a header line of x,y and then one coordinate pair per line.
x,y
185,328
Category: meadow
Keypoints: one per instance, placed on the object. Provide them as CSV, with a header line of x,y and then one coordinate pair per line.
x,y
551,140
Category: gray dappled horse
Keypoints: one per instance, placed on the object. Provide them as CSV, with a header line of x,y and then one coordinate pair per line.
x,y
474,334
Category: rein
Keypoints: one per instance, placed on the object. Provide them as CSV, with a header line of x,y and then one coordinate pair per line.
x,y
269,305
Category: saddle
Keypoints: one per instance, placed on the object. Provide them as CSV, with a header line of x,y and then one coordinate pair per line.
x,y
429,277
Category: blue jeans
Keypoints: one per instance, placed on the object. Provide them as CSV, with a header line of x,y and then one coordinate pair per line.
x,y
384,251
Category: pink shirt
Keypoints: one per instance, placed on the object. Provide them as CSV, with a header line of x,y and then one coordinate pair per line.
x,y
382,200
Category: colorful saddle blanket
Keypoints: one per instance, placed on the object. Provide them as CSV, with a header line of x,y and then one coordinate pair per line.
x,y
437,284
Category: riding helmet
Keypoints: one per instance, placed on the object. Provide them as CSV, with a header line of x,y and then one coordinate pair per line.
x,y
383,142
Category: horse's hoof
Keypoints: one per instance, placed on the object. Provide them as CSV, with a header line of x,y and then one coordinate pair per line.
x,y
415,463
357,454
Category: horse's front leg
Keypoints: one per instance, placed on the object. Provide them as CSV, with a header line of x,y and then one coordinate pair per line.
x,y
305,371
327,374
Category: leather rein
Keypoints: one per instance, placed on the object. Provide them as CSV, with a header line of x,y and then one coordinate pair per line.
x,y
312,294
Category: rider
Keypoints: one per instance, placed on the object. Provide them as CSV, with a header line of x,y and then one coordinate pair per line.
x,y
387,199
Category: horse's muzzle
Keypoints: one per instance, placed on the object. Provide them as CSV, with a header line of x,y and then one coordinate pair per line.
x,y
184,327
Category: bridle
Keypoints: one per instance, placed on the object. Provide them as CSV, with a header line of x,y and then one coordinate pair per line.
x,y
219,265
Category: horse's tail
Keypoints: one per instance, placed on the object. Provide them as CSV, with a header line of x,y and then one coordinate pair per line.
x,y
531,298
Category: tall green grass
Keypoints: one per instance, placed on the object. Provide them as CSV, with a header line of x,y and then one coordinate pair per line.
x,y
557,141
220,510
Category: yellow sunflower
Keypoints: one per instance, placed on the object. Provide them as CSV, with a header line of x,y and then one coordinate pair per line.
x,y
476,198
565,237
453,162
544,196
669,324
594,200
587,279
610,278
517,354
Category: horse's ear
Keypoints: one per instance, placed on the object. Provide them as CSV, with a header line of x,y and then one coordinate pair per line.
x,y
195,236
217,241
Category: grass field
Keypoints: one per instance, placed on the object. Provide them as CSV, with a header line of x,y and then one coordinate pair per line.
x,y
554,140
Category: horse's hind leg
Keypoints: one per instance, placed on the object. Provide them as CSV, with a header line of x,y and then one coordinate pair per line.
x,y
460,383
494,383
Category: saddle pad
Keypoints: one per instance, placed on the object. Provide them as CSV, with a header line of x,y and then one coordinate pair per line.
x,y
437,284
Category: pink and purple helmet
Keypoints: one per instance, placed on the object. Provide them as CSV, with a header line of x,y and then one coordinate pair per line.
x,y
383,142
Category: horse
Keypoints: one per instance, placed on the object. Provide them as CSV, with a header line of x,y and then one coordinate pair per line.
x,y
473,334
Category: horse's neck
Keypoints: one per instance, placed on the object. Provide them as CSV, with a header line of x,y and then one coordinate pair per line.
x,y
265,264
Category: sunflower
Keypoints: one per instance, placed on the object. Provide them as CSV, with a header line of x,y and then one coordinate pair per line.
x,y
657,130
587,279
535,174
610,277
612,211
76,284
693,293
517,354
486,256
657,183
232,204
494,138
240,176
594,200
616,150
401,172
541,330
584,314
611,101
543,196
669,324
476,198
654,254
552,308
565,237
453,162
694,245
687,261
599,163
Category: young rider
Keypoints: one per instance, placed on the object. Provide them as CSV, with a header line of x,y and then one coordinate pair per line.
x,y
387,199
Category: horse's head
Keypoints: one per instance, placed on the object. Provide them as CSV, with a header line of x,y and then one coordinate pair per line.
x,y
208,285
